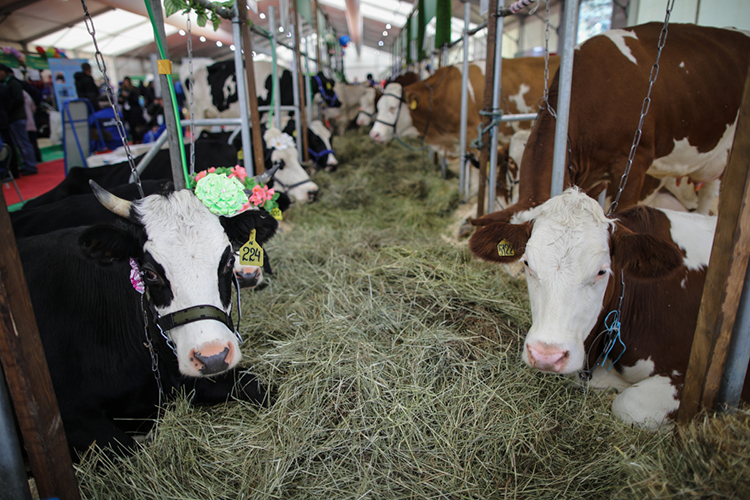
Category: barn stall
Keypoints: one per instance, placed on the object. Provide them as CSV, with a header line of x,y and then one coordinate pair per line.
x,y
395,360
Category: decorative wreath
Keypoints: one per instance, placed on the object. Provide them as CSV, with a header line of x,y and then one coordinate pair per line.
x,y
230,191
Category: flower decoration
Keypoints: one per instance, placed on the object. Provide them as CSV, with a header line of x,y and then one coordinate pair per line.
x,y
281,142
222,195
229,191
135,277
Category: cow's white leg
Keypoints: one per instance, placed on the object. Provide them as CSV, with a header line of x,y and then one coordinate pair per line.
x,y
601,379
647,403
706,196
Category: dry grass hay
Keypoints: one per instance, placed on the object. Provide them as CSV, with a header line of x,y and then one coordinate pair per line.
x,y
395,359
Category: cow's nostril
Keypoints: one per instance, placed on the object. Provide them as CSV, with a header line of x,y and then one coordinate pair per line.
x,y
212,363
547,358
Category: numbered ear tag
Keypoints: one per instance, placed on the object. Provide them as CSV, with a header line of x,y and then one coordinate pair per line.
x,y
413,105
276,214
251,254
504,249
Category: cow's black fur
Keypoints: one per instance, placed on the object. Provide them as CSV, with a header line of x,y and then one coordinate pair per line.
x,y
91,325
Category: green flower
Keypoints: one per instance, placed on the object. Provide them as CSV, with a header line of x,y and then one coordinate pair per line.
x,y
222,195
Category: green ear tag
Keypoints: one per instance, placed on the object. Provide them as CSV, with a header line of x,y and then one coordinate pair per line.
x,y
251,254
276,214
504,249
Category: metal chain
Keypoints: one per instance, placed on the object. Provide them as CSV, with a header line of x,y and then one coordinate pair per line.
x,y
546,65
644,109
152,352
110,96
192,100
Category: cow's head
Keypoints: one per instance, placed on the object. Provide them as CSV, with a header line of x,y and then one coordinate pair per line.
x,y
320,144
392,116
572,253
185,255
322,85
290,178
367,109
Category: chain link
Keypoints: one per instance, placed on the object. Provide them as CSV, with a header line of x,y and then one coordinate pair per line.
x,y
644,109
110,95
546,65
192,100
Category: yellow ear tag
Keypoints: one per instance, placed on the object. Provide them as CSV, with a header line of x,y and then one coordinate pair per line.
x,y
328,85
276,214
413,105
251,254
504,249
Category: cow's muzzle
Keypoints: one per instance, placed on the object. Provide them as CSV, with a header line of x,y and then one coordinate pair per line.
x,y
212,358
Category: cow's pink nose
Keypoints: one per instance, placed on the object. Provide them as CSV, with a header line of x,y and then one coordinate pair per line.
x,y
213,358
547,357
374,136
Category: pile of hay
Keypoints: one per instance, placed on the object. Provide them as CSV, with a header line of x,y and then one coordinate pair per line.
x,y
395,357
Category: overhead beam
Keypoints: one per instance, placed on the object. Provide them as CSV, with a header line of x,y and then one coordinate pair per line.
x,y
355,23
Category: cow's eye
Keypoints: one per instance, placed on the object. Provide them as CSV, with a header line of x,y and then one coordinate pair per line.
x,y
604,271
151,277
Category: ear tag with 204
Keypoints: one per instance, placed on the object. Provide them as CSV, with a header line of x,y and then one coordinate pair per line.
x,y
251,254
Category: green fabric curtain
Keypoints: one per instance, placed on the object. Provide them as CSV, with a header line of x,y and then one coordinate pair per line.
x,y
443,23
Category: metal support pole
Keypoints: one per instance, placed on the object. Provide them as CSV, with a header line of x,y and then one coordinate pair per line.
x,y
738,353
497,89
299,86
274,73
296,100
155,71
308,90
463,173
170,114
13,481
563,98
239,74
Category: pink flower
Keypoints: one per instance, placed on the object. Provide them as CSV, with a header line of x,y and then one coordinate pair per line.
x,y
200,175
239,172
212,170
261,194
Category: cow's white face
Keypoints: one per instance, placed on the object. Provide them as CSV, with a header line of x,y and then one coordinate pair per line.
x,y
189,252
393,115
567,263
366,108
291,178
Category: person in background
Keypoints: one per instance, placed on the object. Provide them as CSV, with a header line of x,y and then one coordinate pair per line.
x,y
31,124
370,80
86,86
132,111
16,110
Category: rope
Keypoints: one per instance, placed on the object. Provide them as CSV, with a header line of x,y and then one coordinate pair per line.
x,y
111,97
644,110
172,95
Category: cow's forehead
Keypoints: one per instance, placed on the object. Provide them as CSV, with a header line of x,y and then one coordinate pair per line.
x,y
180,224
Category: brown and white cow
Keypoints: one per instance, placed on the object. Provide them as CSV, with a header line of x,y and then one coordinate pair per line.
x,y
580,266
689,128
432,107
349,96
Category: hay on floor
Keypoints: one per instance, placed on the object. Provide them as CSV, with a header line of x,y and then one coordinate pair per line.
x,y
395,357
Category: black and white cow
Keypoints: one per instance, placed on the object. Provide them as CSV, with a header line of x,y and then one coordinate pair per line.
x,y
83,286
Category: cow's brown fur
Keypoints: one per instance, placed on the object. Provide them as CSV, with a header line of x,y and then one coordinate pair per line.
x,y
444,115
696,101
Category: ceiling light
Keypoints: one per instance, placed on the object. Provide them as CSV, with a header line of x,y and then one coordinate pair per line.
x,y
202,39
289,34
262,15
385,33
232,47
218,43
281,29
388,26
182,32
380,43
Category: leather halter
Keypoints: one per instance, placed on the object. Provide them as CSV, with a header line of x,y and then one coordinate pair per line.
x,y
330,100
398,113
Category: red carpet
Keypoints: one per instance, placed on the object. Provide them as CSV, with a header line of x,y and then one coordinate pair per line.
x,y
50,174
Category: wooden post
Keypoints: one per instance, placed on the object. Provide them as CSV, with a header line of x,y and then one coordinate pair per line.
x,y
300,82
247,48
28,378
724,278
484,154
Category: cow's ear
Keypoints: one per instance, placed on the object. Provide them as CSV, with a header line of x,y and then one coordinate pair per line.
x,y
501,241
410,98
642,255
107,242
238,227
